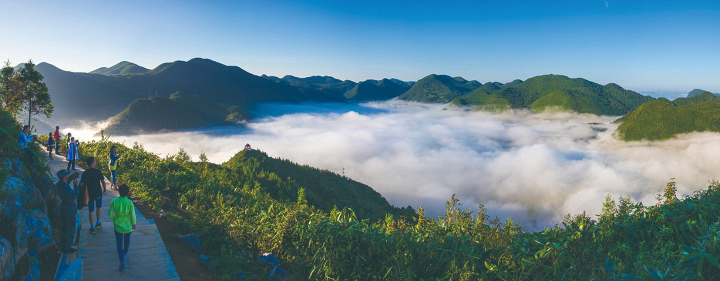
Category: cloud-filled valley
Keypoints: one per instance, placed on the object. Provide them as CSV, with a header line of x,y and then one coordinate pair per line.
x,y
534,168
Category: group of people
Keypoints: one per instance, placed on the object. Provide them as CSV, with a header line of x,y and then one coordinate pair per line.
x,y
89,187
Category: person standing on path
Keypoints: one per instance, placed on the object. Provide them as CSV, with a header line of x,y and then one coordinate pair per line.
x,y
56,136
113,165
72,153
92,178
23,139
50,144
122,213
68,210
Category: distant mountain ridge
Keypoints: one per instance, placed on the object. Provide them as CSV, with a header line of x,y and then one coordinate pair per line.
x,y
121,68
97,97
439,89
696,92
555,91
368,90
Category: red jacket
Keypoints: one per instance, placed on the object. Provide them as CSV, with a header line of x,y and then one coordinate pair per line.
x,y
56,135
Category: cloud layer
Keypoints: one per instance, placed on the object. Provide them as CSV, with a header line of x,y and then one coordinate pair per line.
x,y
533,168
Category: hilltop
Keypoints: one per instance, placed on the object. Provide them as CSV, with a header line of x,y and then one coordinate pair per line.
x,y
661,119
370,90
696,92
698,98
557,91
439,89
179,111
121,68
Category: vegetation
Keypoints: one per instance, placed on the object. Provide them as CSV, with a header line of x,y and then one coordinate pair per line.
x,y
439,89
10,129
22,89
254,204
121,68
661,119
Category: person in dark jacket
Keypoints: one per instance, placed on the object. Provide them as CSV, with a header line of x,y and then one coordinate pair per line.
x,y
68,210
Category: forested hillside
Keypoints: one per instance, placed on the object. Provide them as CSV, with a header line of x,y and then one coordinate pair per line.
x,y
557,91
661,119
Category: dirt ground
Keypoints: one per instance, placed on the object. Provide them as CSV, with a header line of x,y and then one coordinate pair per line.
x,y
185,258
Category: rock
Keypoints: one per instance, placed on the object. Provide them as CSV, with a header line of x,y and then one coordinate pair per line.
x,y
21,237
269,258
34,271
7,259
40,238
193,239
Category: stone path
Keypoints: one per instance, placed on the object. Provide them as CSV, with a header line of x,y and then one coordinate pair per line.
x,y
148,258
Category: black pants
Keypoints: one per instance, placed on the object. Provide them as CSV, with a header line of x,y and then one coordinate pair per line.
x,y
71,162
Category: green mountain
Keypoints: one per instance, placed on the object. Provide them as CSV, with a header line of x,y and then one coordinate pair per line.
x,y
121,68
97,97
661,119
323,189
579,95
364,91
482,94
179,111
696,92
439,89
376,90
698,98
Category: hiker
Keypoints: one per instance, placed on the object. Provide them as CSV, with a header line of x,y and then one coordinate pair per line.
x,y
23,139
72,153
68,209
92,178
122,213
114,165
56,136
50,144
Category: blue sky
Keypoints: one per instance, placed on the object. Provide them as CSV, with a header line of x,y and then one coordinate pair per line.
x,y
641,45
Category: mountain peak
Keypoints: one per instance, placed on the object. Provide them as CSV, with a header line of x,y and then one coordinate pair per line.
x,y
121,68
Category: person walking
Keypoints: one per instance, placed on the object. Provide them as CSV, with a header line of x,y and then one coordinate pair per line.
x,y
91,179
50,144
114,165
72,153
68,210
122,213
56,136
23,139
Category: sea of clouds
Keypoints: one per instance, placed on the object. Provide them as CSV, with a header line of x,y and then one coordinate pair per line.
x,y
532,168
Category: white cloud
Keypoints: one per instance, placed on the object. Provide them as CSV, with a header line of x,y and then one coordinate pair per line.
x,y
534,168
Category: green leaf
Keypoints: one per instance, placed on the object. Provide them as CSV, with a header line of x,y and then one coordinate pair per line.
x,y
712,260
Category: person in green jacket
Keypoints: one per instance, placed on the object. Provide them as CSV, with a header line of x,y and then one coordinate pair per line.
x,y
122,213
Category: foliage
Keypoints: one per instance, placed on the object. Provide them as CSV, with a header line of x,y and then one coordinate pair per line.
x,y
250,205
9,131
660,119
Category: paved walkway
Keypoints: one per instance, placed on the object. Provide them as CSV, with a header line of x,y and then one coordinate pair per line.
x,y
148,258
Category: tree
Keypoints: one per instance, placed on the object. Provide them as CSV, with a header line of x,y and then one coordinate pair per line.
x,y
23,89
10,90
36,97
